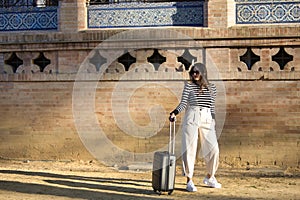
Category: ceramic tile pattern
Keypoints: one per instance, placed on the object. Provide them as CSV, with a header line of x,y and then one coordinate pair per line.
x,y
28,19
267,12
146,14
152,15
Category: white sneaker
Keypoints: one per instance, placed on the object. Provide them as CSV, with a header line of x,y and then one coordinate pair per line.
x,y
212,182
205,180
191,187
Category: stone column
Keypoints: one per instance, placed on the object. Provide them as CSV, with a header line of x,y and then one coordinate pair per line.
x,y
231,14
217,14
72,15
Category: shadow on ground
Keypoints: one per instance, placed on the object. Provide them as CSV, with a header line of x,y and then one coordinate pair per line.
x,y
78,186
93,187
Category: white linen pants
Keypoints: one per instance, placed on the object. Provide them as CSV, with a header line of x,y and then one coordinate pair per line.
x,y
199,122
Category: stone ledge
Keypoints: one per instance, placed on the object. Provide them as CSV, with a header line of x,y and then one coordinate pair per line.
x,y
231,33
150,76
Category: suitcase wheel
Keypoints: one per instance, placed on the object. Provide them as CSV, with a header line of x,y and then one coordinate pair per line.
x,y
157,192
170,192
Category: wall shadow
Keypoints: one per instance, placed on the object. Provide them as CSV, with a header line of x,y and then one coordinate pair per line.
x,y
78,190
31,188
83,178
86,187
191,14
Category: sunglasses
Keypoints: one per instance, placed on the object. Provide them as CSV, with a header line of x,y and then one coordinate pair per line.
x,y
195,72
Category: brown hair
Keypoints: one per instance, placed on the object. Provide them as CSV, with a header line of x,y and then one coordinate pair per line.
x,y
201,68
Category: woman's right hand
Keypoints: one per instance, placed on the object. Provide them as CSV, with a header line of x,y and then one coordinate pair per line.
x,y
172,117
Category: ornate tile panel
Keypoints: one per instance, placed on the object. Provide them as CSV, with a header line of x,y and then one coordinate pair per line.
x,y
23,19
267,12
146,14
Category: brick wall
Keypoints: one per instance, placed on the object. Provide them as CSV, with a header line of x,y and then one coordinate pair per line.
x,y
37,121
262,106
262,122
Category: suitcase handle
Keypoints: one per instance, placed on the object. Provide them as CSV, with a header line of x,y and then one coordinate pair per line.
x,y
172,137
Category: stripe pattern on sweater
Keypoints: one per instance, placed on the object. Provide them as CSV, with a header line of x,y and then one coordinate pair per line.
x,y
192,96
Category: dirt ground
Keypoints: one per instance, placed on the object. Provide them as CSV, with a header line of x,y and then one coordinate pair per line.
x,y
91,180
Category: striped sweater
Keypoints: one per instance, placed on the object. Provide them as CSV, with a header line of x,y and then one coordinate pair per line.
x,y
192,96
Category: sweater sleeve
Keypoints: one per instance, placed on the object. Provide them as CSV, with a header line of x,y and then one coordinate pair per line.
x,y
213,94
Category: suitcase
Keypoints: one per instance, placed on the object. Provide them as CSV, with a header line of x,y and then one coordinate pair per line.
x,y
164,167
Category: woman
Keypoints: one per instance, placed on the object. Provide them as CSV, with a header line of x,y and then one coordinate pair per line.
x,y
198,98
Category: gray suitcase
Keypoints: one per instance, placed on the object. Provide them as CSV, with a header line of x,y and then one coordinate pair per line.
x,y
164,167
